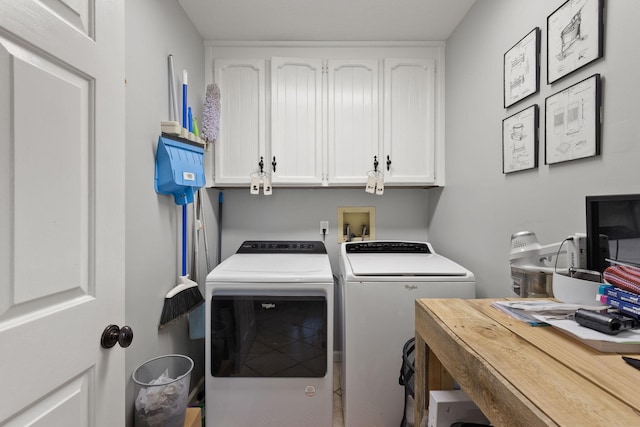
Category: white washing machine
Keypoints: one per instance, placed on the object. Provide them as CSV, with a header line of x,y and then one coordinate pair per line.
x,y
380,281
269,337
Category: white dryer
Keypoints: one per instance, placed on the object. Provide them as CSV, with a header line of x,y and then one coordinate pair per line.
x,y
379,282
269,337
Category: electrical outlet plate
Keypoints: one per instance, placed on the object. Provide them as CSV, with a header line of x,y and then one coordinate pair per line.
x,y
324,225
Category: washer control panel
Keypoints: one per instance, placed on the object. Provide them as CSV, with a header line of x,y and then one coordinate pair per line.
x,y
387,247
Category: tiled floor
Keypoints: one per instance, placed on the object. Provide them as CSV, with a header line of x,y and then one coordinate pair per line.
x,y
338,419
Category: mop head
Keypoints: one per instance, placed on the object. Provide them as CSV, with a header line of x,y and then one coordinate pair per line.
x,y
180,300
211,113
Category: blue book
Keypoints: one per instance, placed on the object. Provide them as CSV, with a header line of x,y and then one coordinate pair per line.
x,y
620,294
624,307
517,313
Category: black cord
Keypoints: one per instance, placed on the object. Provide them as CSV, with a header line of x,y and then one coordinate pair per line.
x,y
555,266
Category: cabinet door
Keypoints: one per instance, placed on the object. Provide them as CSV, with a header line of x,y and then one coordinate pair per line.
x,y
296,121
409,121
241,141
353,119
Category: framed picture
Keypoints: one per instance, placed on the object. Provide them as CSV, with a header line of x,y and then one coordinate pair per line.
x,y
521,69
572,122
574,37
520,140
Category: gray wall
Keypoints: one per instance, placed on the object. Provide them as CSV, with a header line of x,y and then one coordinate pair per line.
x,y
474,215
296,214
155,29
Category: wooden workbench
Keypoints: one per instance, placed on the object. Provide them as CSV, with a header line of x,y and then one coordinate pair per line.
x,y
519,375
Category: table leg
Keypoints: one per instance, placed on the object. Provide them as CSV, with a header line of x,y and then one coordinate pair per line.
x,y
438,378
429,375
420,379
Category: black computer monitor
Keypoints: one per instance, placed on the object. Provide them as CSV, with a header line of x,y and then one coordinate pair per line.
x,y
613,230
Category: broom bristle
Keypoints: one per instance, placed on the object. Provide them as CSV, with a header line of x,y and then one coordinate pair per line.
x,y
179,305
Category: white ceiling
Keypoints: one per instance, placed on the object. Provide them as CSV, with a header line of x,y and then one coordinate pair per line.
x,y
326,20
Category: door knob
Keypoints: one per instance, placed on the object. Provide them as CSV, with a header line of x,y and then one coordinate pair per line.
x,y
113,335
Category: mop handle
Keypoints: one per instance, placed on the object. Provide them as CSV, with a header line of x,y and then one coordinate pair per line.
x,y
185,124
184,240
219,254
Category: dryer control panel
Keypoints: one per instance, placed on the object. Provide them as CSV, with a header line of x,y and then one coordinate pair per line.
x,y
281,247
387,247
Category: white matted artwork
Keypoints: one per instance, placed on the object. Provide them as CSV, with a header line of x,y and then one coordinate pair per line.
x,y
574,37
572,122
521,69
520,140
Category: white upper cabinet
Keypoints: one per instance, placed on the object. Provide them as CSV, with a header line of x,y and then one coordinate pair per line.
x,y
241,142
296,121
324,120
319,118
409,122
353,120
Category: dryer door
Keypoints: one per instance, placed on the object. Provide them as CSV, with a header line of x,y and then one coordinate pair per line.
x,y
255,335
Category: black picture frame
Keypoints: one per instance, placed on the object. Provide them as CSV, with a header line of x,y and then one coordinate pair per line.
x,y
521,69
573,121
574,37
520,140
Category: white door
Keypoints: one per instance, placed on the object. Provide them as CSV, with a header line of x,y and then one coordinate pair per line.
x,y
296,121
353,143
241,143
61,211
409,121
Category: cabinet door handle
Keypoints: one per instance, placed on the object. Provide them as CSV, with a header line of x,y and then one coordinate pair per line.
x,y
261,164
375,163
388,163
274,163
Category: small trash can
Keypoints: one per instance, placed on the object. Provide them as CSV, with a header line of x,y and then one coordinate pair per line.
x,y
162,391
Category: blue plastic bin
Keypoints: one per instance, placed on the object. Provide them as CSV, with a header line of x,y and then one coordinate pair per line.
x,y
179,169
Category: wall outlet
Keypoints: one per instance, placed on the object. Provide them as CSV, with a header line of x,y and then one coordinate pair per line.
x,y
324,227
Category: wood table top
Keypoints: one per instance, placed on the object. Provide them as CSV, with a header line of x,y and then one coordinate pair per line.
x,y
521,375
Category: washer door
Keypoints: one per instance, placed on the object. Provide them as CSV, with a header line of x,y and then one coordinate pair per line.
x,y
404,265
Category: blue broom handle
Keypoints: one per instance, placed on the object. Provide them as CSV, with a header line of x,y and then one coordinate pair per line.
x,y
184,240
185,123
